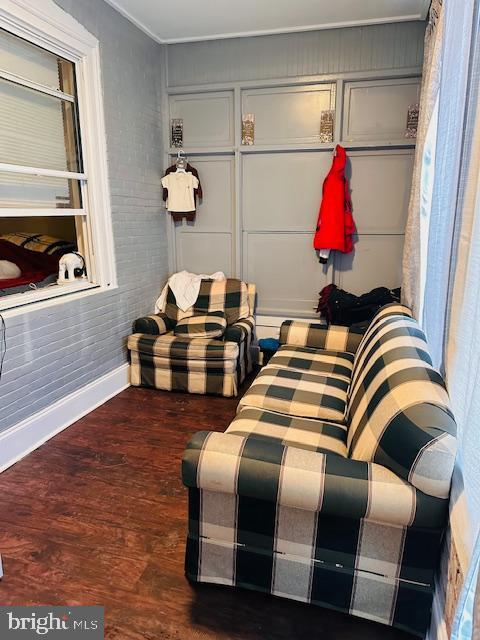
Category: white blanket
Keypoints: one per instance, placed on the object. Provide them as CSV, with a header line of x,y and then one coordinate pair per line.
x,y
185,287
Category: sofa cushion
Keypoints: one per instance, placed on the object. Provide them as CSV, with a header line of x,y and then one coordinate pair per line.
x,y
338,364
229,296
208,325
308,395
314,435
170,346
398,407
315,335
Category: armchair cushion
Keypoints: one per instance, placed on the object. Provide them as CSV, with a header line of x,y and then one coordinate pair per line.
x,y
319,336
208,325
297,393
156,325
292,477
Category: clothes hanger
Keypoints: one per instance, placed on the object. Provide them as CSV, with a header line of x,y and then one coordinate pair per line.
x,y
181,162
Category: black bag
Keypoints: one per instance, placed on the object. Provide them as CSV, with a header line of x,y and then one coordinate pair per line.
x,y
343,308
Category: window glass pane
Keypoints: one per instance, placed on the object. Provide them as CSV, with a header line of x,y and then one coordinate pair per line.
x,y
33,63
36,130
21,231
32,248
19,190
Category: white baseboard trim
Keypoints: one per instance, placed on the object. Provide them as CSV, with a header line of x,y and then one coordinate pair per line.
x,y
26,436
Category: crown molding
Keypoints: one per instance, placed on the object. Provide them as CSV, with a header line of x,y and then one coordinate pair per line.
x,y
266,32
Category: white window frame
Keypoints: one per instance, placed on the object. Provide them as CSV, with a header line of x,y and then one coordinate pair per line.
x,y
43,23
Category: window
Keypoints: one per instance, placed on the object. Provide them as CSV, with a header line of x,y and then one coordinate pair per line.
x,y
51,131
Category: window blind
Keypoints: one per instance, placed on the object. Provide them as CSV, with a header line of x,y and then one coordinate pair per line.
x,y
27,60
37,129
32,129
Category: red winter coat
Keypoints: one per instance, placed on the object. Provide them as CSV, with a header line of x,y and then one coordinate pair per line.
x,y
335,225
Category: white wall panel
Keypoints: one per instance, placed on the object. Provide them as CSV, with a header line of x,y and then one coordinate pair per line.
x,y
282,191
286,271
205,245
207,118
377,109
204,252
215,211
380,189
375,262
286,115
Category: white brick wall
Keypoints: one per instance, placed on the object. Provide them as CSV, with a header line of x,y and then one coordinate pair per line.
x,y
54,351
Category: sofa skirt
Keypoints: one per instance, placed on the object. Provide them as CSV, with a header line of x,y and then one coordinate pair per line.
x,y
375,571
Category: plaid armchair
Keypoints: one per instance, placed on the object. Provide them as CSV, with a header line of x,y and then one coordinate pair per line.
x,y
340,508
162,360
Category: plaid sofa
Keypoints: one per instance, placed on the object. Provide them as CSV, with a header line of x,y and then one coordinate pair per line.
x,y
162,360
346,512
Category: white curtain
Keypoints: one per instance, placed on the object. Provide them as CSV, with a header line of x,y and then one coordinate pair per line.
x,y
463,355
442,279
451,162
418,221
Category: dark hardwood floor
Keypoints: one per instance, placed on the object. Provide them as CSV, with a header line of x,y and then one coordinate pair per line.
x,y
97,515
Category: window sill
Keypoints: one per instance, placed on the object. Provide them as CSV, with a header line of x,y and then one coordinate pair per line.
x,y
20,303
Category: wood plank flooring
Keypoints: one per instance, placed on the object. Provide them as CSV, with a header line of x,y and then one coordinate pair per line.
x,y
97,515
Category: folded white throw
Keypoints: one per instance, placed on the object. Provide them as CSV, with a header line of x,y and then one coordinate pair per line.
x,y
185,287
9,270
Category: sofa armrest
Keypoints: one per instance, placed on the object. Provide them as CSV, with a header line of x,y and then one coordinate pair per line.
x,y
240,330
154,325
319,336
262,468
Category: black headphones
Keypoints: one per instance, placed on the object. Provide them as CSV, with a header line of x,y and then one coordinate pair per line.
x,y
78,272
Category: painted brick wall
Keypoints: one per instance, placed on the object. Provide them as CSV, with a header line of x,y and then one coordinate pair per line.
x,y
55,351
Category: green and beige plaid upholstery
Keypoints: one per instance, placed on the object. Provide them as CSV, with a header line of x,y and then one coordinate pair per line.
x,y
399,411
347,514
319,336
207,325
213,376
338,364
325,437
230,296
191,353
242,333
366,568
296,393
294,477
154,325
172,346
